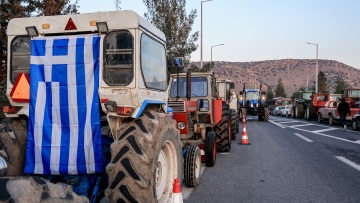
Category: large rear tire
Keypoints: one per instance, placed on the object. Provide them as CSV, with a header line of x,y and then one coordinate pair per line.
x,y
266,114
234,124
222,130
13,139
192,166
210,149
299,111
145,159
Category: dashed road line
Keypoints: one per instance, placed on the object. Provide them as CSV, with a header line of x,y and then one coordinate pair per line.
x,y
324,130
278,124
282,122
295,126
302,137
348,162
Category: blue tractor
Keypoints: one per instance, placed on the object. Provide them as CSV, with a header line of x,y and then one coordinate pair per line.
x,y
252,102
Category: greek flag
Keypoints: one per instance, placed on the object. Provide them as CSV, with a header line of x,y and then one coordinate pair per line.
x,y
64,132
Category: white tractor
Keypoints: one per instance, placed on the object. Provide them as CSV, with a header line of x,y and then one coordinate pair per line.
x,y
88,95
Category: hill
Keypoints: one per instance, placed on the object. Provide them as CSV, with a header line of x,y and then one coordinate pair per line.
x,y
293,73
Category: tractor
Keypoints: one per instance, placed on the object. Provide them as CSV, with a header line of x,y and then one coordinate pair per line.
x,y
252,101
300,103
224,86
89,118
201,116
318,100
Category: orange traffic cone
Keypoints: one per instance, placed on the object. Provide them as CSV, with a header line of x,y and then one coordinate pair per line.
x,y
244,136
243,119
177,196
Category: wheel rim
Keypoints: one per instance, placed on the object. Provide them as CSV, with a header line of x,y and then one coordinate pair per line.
x,y
166,170
330,120
354,126
319,118
197,166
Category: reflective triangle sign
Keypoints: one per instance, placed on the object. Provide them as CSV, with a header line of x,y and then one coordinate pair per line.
x,y
21,89
70,25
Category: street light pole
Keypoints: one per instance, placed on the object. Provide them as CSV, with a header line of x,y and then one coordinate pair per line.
x,y
215,46
317,65
201,43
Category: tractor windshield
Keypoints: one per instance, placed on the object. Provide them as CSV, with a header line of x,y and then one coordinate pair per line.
x,y
354,93
252,95
199,87
307,95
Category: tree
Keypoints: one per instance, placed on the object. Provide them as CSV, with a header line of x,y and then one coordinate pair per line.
x,y
170,17
24,8
207,67
280,89
322,83
340,84
269,94
117,4
55,7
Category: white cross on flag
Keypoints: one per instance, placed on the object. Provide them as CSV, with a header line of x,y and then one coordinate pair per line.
x,y
64,133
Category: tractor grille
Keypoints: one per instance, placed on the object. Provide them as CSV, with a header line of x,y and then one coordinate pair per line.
x,y
177,106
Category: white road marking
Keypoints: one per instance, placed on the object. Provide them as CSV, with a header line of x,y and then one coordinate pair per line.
x,y
348,162
282,122
281,126
358,142
323,130
338,138
302,137
295,126
186,191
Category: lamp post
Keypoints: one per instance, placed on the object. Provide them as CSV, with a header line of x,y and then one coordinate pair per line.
x,y
201,44
215,46
316,68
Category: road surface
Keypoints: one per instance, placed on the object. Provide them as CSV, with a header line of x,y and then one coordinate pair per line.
x,y
289,160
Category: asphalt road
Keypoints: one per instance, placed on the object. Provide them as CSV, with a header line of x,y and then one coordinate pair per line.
x,y
289,160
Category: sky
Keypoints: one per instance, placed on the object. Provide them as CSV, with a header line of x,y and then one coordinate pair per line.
x,y
256,30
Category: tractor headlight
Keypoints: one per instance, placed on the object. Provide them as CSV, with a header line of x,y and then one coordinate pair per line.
x,y
3,167
181,125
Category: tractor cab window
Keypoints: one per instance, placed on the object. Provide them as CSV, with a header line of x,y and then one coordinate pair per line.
x,y
287,102
307,95
199,87
153,63
354,93
252,95
118,58
20,56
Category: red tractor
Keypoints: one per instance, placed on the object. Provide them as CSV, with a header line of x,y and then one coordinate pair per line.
x,y
318,100
203,119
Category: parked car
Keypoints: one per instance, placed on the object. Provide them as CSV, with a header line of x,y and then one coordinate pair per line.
x,y
355,122
277,111
286,111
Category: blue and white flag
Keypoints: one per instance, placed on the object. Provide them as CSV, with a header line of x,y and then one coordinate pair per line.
x,y
64,133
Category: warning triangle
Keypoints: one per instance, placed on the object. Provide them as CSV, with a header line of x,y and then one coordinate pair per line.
x,y
70,25
21,89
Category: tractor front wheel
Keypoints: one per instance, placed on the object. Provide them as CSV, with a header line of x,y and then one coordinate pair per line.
x,y
222,130
192,166
146,156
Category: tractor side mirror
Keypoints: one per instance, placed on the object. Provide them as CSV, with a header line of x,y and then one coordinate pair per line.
x,y
178,62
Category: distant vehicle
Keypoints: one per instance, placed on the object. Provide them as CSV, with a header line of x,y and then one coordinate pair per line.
x,y
286,111
355,121
278,101
277,110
